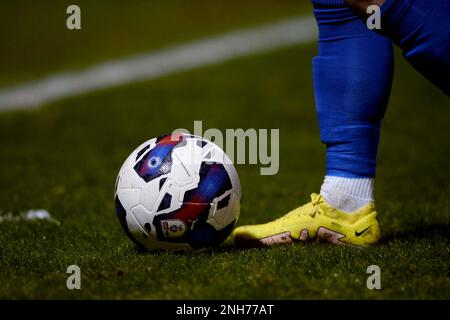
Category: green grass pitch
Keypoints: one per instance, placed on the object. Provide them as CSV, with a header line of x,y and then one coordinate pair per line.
x,y
65,156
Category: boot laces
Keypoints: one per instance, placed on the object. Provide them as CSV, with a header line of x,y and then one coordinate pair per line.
x,y
316,199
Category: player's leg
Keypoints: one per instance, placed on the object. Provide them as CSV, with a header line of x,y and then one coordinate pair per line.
x,y
421,28
352,82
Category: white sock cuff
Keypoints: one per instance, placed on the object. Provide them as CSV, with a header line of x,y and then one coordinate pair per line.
x,y
361,188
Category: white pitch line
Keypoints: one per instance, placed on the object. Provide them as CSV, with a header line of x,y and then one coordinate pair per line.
x,y
167,61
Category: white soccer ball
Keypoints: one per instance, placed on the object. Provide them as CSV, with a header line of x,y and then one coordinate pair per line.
x,y
178,192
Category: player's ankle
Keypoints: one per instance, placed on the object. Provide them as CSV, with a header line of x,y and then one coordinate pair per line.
x,y
347,194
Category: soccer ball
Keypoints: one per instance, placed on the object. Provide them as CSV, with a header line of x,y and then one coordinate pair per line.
x,y
178,192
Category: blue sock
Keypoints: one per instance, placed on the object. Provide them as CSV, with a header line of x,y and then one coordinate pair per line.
x,y
421,28
352,81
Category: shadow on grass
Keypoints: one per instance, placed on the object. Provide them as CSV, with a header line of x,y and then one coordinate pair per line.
x,y
143,251
224,248
427,231
430,231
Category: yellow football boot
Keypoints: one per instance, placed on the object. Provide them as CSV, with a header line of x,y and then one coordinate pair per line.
x,y
314,220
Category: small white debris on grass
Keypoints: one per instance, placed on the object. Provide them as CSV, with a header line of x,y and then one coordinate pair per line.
x,y
30,215
37,214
